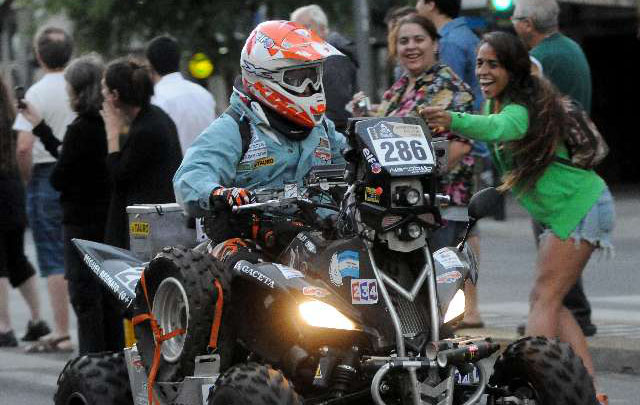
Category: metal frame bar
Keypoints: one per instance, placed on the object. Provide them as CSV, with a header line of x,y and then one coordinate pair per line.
x,y
426,274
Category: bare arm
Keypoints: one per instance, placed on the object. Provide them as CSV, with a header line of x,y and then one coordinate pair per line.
x,y
24,154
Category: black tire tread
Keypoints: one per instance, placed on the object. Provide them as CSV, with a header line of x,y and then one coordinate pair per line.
x,y
102,378
197,272
551,367
256,384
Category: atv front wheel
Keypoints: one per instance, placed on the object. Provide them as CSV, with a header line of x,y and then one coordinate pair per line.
x,y
543,370
254,384
94,379
182,295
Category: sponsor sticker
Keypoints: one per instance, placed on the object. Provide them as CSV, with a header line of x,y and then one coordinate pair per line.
x,y
243,268
139,229
447,258
267,161
364,291
376,168
369,156
449,277
288,272
317,292
308,244
370,195
323,143
129,278
253,155
344,264
322,153
106,278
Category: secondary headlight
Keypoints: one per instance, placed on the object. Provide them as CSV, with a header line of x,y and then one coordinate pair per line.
x,y
317,313
456,307
412,196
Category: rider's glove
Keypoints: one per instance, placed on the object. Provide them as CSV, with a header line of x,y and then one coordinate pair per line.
x,y
233,196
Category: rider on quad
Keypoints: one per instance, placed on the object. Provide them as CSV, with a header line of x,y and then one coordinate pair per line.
x,y
274,131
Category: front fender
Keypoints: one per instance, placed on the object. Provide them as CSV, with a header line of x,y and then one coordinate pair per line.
x,y
452,270
118,269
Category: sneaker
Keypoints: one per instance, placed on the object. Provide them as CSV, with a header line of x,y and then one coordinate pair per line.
x,y
8,339
602,399
35,330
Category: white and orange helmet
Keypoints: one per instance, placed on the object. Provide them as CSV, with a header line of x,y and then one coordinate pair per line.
x,y
281,66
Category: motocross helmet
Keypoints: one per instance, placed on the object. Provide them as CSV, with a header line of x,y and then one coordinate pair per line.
x,y
281,66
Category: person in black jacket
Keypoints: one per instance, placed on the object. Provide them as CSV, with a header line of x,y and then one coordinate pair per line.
x,y
339,71
143,147
15,269
81,176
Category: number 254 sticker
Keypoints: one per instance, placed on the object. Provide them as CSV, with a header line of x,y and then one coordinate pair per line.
x,y
364,291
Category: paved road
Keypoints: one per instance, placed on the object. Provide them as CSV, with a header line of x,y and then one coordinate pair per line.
x,y
612,284
505,280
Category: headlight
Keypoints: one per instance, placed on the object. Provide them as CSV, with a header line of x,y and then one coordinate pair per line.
x,y
456,307
317,313
412,196
414,230
407,196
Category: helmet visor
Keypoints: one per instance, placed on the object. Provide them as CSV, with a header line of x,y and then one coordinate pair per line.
x,y
299,78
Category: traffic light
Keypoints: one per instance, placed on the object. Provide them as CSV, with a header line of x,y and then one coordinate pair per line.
x,y
501,6
499,13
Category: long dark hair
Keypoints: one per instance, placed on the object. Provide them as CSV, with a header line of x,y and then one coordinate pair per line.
x,y
7,134
533,153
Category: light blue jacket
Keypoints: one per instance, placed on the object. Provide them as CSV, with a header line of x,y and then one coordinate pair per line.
x,y
215,158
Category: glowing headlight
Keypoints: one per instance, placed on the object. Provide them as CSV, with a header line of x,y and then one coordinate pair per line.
x,y
317,313
456,307
414,230
412,196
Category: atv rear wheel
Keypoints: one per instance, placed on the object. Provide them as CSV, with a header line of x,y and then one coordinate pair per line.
x,y
182,294
544,370
254,384
94,379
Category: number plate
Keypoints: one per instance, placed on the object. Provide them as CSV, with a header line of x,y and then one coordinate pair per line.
x,y
400,144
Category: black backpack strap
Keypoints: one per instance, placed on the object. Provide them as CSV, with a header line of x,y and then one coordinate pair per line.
x,y
564,161
243,126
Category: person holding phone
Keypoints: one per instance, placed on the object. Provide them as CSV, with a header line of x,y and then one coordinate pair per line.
x,y
53,49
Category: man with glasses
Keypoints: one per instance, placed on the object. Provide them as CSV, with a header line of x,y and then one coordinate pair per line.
x,y
565,65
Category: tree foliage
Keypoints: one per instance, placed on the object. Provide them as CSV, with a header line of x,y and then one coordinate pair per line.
x,y
218,28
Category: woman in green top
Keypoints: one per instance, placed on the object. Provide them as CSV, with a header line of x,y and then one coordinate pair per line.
x,y
523,123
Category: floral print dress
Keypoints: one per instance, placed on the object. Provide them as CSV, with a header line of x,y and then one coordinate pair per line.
x,y
437,86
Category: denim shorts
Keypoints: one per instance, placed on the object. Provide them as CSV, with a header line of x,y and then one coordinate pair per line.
x,y
596,227
45,219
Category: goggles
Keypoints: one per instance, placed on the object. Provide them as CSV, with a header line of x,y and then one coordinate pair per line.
x,y
298,79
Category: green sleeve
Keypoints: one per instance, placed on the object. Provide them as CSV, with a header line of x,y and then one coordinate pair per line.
x,y
509,124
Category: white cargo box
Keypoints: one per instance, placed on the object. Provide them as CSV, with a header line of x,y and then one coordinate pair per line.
x,y
154,226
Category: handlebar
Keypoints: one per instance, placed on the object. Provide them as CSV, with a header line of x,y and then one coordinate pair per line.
x,y
441,199
282,202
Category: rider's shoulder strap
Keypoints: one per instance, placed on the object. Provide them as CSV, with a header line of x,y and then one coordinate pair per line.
x,y
243,126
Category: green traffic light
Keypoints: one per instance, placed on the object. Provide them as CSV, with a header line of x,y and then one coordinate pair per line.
x,y
502,5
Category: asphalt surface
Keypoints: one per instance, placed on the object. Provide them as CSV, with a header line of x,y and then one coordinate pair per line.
x,y
507,262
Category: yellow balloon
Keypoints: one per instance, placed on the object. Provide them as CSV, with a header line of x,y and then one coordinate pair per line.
x,y
200,66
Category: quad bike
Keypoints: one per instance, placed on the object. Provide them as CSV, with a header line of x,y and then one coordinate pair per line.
x,y
354,308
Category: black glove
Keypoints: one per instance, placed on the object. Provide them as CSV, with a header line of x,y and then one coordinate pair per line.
x,y
234,196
